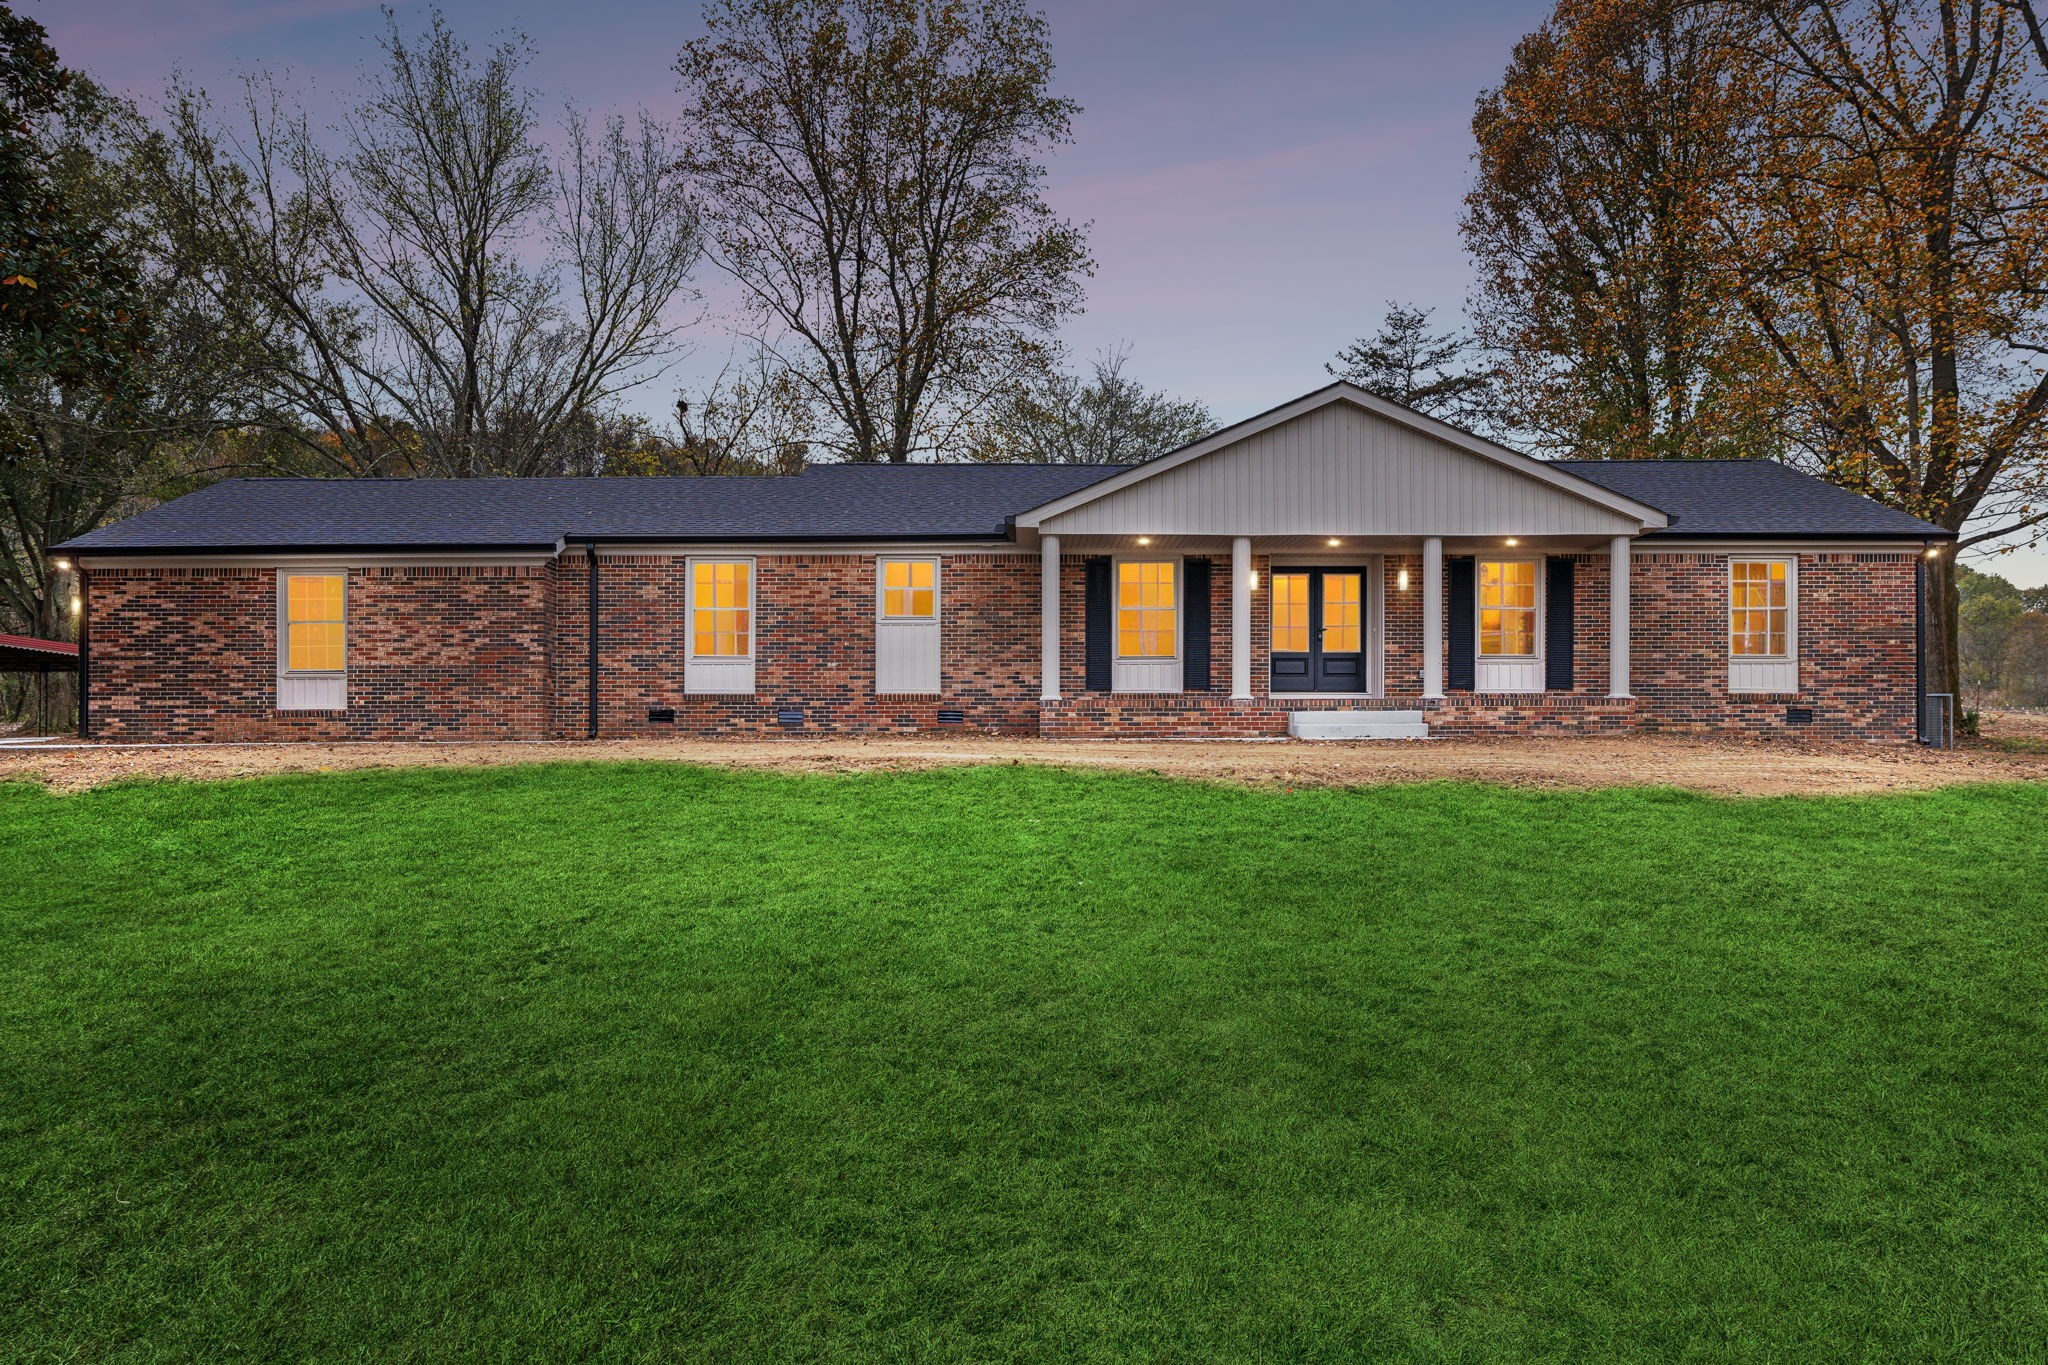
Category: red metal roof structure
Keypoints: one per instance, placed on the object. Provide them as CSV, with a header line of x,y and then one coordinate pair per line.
x,y
26,654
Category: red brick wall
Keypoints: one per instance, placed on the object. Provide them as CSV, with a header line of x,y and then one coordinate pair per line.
x,y
500,652
435,652
814,652
1856,667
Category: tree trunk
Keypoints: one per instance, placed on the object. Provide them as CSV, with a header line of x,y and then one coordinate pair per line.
x,y
1943,612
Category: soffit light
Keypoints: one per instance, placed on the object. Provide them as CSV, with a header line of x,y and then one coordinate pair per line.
x,y
1513,541
1144,540
1333,540
63,566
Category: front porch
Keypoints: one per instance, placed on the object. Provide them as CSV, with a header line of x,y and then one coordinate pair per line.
x,y
1336,552
1190,637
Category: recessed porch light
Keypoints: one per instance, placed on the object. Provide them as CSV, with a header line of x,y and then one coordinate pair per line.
x,y
1513,541
1333,541
1144,540
64,565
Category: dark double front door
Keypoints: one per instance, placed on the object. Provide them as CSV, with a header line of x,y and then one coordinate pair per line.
x,y
1318,630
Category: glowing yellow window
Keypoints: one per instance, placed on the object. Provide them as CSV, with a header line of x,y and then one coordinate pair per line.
x,y
1290,613
1343,595
1507,608
1146,613
1758,607
316,630
910,590
721,608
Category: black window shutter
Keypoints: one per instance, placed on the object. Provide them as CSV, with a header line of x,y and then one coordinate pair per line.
x,y
1557,624
1095,615
1194,620
1463,673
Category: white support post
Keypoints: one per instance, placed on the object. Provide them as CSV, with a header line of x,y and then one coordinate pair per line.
x,y
1241,618
1433,617
1617,617
1049,617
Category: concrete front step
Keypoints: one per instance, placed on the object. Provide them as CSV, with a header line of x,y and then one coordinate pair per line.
x,y
1357,725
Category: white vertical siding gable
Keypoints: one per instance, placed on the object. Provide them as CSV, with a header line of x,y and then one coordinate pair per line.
x,y
1339,469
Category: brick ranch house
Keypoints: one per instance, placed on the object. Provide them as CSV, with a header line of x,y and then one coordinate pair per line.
x,y
1336,566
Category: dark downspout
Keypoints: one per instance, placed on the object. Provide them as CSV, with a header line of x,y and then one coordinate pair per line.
x,y
591,547
84,653
1920,648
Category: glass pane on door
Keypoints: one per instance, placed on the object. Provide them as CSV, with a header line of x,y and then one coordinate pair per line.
x,y
1290,613
1342,612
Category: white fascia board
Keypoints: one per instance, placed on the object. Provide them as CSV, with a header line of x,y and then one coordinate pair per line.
x,y
394,559
814,548
1787,545
1526,465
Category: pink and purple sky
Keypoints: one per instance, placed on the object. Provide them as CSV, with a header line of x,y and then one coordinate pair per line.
x,y
1260,178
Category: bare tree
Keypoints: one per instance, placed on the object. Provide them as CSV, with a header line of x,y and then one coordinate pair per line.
x,y
1108,417
869,172
436,293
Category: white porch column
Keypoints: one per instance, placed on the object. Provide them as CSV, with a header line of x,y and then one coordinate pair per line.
x,y
1049,617
1241,618
1617,617
1433,617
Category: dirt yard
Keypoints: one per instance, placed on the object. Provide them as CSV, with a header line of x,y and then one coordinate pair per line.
x,y
1729,767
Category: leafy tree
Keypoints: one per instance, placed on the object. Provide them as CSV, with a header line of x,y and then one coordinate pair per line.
x,y
403,328
2004,635
68,309
1886,230
1599,158
1407,363
869,172
75,451
1108,417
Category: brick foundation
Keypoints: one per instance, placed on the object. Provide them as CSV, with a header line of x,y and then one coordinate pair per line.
x,y
495,652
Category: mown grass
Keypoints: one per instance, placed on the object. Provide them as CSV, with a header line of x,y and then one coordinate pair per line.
x,y
608,1062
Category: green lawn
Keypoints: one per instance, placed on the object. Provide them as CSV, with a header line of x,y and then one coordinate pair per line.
x,y
636,1061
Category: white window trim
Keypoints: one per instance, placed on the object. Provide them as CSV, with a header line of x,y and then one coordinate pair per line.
x,y
1768,673
1479,562
1157,673
720,674
908,659
882,593
307,689
1511,673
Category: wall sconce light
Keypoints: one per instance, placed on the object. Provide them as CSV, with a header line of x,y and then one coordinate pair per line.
x,y
77,604
1934,552
1401,580
1255,580
1144,540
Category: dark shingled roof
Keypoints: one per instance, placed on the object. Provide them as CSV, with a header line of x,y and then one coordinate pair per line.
x,y
825,502
1734,498
1754,498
